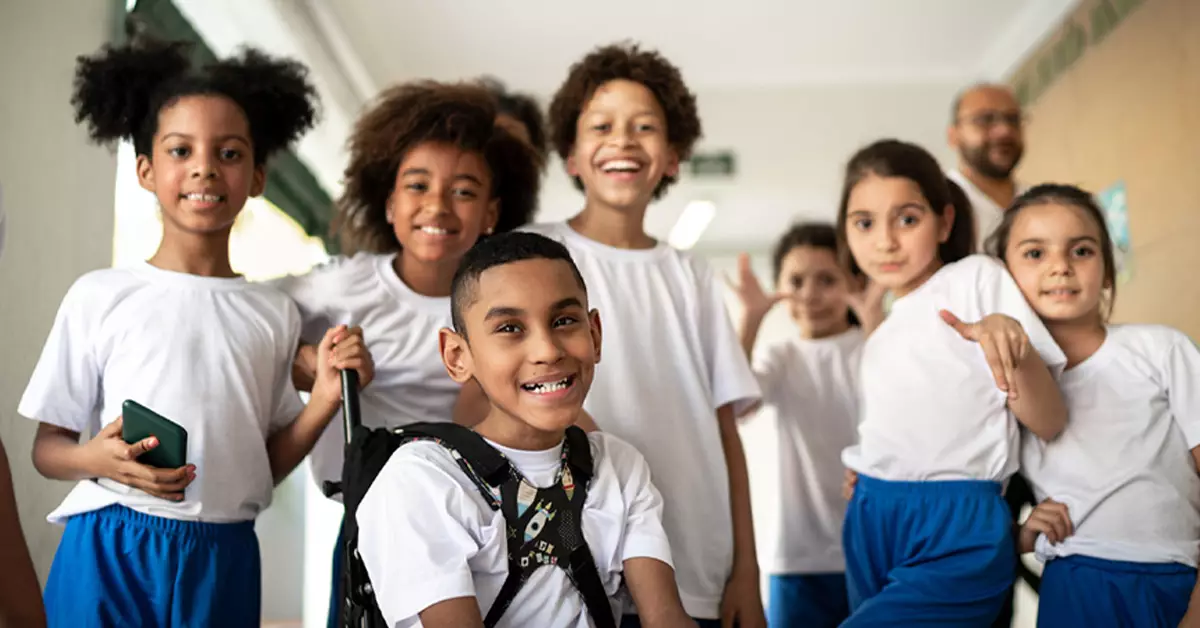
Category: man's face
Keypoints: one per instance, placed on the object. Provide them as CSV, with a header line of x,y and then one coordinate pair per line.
x,y
988,131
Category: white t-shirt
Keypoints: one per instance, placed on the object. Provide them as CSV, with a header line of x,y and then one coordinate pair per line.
x,y
211,354
987,213
671,358
401,331
1123,466
810,390
931,409
426,535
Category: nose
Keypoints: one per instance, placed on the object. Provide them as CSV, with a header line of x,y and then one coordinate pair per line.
x,y
544,348
1059,264
885,237
203,165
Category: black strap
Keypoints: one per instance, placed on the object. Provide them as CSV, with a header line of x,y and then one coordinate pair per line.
x,y
491,466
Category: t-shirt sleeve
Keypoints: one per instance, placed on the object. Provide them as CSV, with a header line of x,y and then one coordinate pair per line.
x,y
65,389
999,294
414,535
311,293
644,536
768,370
1181,372
288,404
731,380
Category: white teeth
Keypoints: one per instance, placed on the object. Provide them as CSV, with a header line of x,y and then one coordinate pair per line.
x,y
434,230
621,165
203,198
548,387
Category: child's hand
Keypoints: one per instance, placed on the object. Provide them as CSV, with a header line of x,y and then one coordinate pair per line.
x,y
1004,344
755,301
741,605
867,303
1050,518
111,457
341,348
849,481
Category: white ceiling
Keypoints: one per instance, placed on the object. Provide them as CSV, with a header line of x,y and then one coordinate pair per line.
x,y
793,87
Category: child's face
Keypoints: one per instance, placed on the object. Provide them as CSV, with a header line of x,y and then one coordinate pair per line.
x,y
202,169
621,151
441,202
817,289
530,343
893,233
1054,254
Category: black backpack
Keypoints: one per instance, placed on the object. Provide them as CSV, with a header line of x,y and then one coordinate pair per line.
x,y
543,526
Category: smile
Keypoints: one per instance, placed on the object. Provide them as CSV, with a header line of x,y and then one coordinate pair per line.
x,y
546,388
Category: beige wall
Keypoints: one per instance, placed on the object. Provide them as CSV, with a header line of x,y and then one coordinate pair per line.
x,y
1127,109
57,192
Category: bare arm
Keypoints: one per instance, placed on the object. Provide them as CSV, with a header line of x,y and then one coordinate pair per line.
x,y
1039,405
304,368
341,348
652,584
58,455
741,600
460,612
20,595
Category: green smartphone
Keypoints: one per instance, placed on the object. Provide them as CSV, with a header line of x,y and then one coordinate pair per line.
x,y
141,422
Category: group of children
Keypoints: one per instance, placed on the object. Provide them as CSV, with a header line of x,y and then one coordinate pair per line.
x,y
453,309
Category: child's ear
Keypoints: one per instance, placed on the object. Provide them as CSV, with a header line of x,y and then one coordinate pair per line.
x,y
456,355
145,173
947,224
673,164
258,184
597,335
571,169
492,216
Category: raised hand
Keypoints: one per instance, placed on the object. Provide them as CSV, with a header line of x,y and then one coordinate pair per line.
x,y
1004,344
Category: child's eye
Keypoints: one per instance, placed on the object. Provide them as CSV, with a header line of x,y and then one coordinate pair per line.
x,y
1083,251
909,220
508,328
646,127
797,281
416,187
862,224
464,193
1032,254
178,151
230,154
827,280
600,128
563,321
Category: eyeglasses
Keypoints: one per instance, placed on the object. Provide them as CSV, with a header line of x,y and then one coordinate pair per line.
x,y
989,119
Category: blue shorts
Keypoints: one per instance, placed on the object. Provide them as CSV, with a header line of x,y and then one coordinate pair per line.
x,y
1097,593
816,600
120,567
927,553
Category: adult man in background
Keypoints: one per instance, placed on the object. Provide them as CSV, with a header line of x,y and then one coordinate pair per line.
x,y
987,132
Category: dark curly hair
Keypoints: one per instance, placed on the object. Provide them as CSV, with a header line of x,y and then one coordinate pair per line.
x,y
120,90
628,62
408,115
522,107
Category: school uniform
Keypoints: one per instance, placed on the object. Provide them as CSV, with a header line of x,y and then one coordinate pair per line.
x,y
211,354
927,534
1124,469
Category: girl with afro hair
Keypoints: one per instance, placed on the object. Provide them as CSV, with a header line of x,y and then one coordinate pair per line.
x,y
183,335
430,173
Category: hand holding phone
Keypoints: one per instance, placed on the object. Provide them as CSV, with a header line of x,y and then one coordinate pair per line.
x,y
120,461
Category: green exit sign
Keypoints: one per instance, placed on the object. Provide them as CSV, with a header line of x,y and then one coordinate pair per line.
x,y
717,164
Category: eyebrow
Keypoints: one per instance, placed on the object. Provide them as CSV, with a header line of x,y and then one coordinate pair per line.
x,y
231,136
425,172
1075,240
911,205
504,311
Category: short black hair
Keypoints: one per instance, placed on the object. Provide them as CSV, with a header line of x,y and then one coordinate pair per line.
x,y
120,90
632,63
498,250
894,158
524,108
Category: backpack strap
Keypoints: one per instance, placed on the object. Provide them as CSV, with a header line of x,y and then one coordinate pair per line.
x,y
486,467
582,568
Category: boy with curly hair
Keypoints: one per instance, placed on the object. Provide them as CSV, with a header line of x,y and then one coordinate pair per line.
x,y
675,372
